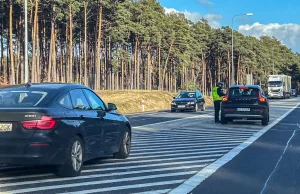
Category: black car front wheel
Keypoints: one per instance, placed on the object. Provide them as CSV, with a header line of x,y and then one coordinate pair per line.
x,y
196,108
74,159
125,145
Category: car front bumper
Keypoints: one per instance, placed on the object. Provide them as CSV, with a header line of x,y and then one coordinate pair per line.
x,y
184,107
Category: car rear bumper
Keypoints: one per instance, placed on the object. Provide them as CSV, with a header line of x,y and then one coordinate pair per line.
x,y
243,116
34,153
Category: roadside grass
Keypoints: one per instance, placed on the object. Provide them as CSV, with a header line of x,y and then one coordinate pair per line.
x,y
130,101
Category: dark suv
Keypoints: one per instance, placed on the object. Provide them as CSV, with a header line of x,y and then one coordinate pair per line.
x,y
245,102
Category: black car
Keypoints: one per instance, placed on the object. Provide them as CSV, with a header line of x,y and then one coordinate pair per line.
x,y
59,124
294,92
245,102
188,100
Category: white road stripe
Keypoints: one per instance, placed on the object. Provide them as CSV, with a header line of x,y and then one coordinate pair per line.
x,y
194,145
191,131
149,144
101,175
216,142
109,175
155,192
116,163
186,149
180,154
42,188
187,136
125,187
197,179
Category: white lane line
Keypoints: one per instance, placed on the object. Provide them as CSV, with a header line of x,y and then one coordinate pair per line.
x,y
186,149
158,160
171,121
155,191
109,175
183,132
287,144
164,142
107,169
126,162
88,191
197,179
186,136
179,154
63,186
194,145
200,138
215,142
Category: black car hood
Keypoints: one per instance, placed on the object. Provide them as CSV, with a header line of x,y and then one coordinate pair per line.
x,y
184,100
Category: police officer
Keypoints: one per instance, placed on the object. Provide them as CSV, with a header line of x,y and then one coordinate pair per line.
x,y
217,97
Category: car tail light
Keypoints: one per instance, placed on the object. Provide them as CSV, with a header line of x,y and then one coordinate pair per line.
x,y
45,123
225,98
261,99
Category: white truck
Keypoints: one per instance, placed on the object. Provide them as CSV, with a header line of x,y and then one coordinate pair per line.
x,y
279,86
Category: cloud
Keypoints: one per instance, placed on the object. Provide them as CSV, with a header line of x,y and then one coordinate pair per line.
x,y
288,34
205,2
193,16
213,20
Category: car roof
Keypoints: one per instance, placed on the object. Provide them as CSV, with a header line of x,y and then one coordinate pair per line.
x,y
249,86
45,86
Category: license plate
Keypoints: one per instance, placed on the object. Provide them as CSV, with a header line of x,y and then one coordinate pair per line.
x,y
5,127
181,106
243,109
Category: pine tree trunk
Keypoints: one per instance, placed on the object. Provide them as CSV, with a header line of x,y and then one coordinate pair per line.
x,y
70,44
159,70
138,67
85,43
149,68
98,49
11,51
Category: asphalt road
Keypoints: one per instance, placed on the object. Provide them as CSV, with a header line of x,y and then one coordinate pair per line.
x,y
170,148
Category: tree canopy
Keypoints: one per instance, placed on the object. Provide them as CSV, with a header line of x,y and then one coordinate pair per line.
x,y
131,44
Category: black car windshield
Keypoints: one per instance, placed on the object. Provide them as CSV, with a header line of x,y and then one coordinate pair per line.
x,y
248,92
10,98
275,83
187,95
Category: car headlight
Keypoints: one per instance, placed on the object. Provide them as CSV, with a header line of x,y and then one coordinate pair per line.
x,y
173,103
191,102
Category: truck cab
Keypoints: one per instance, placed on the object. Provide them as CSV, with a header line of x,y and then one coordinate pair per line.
x,y
279,86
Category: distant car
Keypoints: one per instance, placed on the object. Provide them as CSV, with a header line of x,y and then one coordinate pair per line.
x,y
188,100
59,124
245,102
294,92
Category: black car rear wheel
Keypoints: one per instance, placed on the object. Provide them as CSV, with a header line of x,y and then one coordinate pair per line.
x,y
74,159
265,120
124,146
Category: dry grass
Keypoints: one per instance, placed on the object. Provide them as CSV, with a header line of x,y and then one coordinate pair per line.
x,y
129,101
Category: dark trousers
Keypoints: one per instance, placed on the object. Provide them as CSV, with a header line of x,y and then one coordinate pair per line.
x,y
217,106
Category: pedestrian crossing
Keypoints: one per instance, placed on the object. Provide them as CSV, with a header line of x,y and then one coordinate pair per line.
x,y
160,160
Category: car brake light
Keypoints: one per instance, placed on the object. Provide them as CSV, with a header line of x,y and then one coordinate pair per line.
x,y
45,123
225,98
261,99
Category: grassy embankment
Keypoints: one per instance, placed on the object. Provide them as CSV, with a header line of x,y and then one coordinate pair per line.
x,y
129,101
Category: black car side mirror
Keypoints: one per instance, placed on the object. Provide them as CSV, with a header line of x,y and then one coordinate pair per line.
x,y
111,106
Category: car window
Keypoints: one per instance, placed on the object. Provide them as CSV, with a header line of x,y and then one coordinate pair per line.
x,y
187,95
96,102
79,100
65,101
15,98
247,92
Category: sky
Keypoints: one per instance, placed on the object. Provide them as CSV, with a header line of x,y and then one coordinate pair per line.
x,y
279,18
